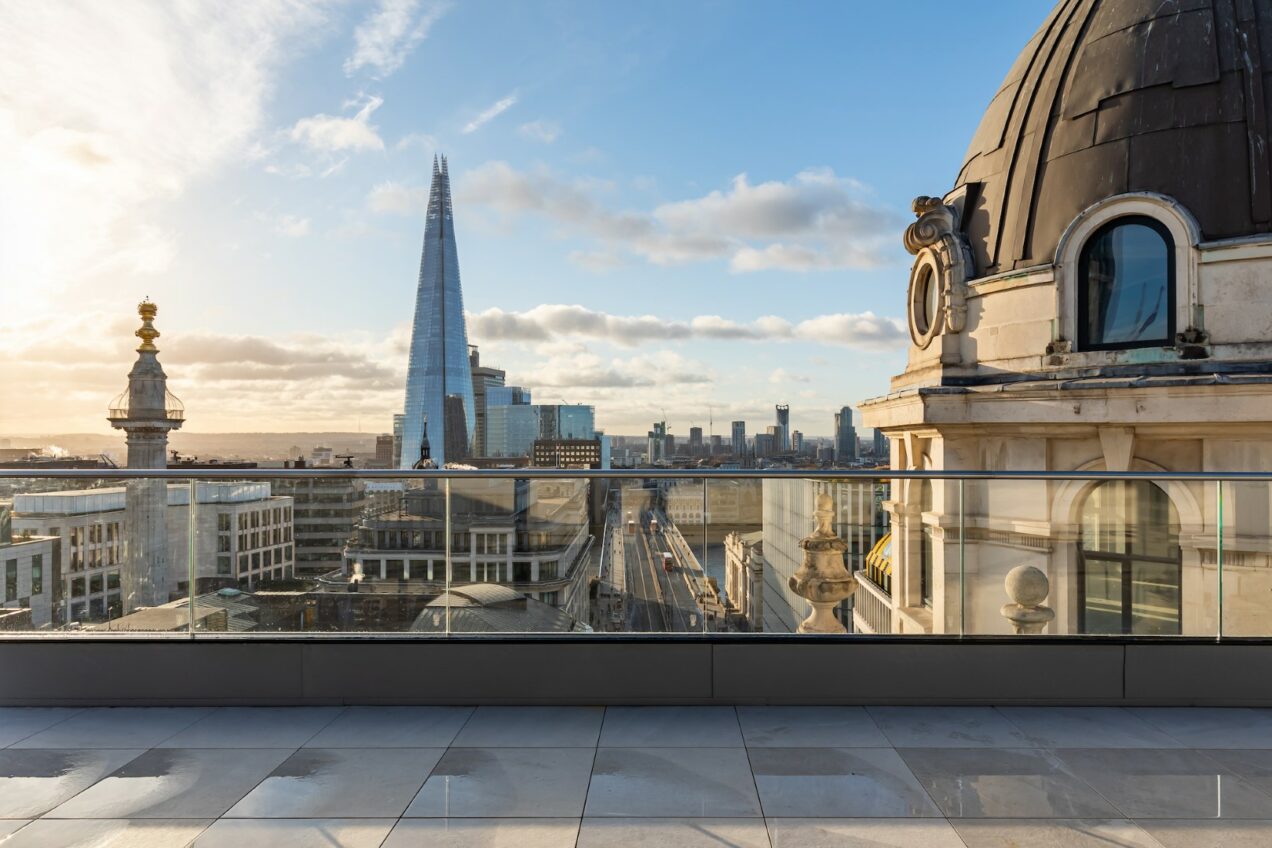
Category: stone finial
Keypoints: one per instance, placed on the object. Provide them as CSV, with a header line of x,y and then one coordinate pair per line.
x,y
1027,587
822,578
147,310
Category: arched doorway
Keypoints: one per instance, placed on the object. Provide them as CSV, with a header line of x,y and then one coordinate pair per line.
x,y
1129,565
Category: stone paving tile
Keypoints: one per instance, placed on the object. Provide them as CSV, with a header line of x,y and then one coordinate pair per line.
x,y
677,832
810,727
862,833
334,783
1209,833
532,727
512,782
107,833
115,727
295,833
672,783
671,727
484,833
32,782
1053,833
847,782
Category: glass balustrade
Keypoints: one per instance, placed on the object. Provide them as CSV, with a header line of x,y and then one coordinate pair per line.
x,y
537,552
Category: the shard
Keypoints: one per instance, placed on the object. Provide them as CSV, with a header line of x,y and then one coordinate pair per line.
x,y
438,365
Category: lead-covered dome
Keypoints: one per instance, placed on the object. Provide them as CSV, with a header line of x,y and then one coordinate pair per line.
x,y
1116,96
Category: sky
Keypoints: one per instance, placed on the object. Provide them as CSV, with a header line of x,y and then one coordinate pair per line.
x,y
679,210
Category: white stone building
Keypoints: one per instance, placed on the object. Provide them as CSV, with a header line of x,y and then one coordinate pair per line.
x,y
1095,294
243,534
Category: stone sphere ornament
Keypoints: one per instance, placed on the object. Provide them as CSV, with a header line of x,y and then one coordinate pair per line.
x,y
1027,587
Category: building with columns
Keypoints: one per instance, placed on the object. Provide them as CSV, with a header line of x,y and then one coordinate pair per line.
x,y
1093,294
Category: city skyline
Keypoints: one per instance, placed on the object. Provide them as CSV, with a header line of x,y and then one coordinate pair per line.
x,y
618,262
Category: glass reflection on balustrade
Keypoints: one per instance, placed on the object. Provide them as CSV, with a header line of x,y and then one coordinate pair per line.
x,y
1097,557
1247,556
94,555
578,555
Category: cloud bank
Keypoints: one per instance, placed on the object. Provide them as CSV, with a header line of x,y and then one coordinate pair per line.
x,y
550,322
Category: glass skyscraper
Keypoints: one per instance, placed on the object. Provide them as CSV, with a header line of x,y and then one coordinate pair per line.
x,y
438,365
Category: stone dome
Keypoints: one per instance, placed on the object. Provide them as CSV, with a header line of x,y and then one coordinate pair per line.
x,y
1116,96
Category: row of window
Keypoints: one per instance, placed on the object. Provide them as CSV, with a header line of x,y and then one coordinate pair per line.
x,y
461,572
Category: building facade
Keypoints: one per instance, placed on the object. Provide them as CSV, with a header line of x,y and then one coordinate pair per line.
x,y
243,535
325,513
845,437
529,535
783,424
1092,296
437,367
484,378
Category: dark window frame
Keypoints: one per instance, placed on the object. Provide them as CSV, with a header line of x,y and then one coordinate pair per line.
x,y
1084,282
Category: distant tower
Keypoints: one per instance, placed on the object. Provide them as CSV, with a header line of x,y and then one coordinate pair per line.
x,y
146,411
438,363
783,428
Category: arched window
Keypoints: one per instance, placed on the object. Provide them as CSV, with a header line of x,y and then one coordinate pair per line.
x,y
1126,279
1129,560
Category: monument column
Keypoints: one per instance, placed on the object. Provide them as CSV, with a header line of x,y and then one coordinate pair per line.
x,y
146,411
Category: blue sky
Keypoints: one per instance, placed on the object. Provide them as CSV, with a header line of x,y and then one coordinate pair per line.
x,y
741,172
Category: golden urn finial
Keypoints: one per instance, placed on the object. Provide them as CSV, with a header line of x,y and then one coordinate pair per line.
x,y
147,310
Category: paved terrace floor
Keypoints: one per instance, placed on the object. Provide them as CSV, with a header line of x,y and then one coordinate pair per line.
x,y
552,777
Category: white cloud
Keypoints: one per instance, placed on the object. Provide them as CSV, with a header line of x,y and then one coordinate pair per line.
x,y
815,221
108,110
291,226
583,369
550,322
388,35
540,130
396,199
782,377
423,141
328,133
494,111
595,260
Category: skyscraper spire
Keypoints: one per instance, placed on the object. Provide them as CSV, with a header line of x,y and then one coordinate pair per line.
x,y
438,364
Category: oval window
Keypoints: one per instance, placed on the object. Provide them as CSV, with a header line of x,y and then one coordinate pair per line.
x,y
926,301
1126,295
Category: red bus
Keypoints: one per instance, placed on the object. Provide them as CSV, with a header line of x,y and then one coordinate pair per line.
x,y
631,527
669,564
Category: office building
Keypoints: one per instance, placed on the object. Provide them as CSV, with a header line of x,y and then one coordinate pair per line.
x,y
567,421
325,512
438,364
243,535
484,378
399,424
384,451
845,437
32,578
567,453
656,441
880,445
695,441
739,438
783,432
511,429
797,442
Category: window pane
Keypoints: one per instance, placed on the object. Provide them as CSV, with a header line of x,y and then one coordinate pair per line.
x,y
1154,598
1103,611
1127,286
